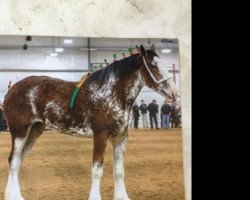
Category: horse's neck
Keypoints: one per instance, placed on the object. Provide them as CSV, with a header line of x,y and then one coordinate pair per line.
x,y
118,84
120,91
127,90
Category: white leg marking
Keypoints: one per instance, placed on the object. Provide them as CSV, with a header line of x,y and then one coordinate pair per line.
x,y
97,171
12,191
118,170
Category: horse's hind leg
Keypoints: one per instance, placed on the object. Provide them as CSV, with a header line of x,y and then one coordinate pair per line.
x,y
35,132
21,143
19,137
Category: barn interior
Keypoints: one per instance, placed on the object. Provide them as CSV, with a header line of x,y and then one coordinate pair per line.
x,y
59,165
70,58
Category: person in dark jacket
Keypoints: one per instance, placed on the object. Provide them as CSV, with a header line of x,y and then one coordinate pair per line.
x,y
136,115
166,110
153,109
175,117
144,111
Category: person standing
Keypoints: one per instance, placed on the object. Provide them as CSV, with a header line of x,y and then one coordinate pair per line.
x,y
2,124
166,110
153,111
144,110
136,115
176,115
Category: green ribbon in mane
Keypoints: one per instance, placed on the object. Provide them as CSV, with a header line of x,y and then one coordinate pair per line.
x,y
76,91
78,86
73,98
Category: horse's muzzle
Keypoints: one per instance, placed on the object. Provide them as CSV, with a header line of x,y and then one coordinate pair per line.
x,y
171,96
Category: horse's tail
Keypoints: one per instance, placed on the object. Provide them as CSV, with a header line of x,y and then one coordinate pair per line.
x,y
3,108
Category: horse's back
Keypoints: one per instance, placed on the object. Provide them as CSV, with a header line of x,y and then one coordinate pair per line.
x,y
32,81
21,96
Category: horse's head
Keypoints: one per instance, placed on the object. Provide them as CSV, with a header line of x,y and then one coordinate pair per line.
x,y
156,75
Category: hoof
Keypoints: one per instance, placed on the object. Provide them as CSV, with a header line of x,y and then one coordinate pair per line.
x,y
14,198
95,197
122,198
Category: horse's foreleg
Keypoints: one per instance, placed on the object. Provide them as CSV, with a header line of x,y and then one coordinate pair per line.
x,y
119,147
100,143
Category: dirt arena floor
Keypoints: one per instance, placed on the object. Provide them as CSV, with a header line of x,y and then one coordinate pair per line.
x,y
59,167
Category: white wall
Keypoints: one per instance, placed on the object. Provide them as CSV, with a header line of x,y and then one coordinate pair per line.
x,y
39,59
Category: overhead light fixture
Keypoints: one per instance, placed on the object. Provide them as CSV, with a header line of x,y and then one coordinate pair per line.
x,y
59,49
53,54
25,47
68,41
86,49
166,50
28,38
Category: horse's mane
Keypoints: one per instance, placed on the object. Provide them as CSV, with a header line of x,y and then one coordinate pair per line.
x,y
120,68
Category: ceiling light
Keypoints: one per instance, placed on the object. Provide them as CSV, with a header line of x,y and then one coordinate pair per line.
x,y
53,54
28,38
166,50
86,49
68,41
59,49
25,47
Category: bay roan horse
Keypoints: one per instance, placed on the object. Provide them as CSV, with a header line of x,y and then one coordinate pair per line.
x,y
101,110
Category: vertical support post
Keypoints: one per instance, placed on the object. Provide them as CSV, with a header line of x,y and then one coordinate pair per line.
x,y
174,77
89,56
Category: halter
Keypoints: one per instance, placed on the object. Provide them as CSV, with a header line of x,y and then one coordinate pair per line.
x,y
152,76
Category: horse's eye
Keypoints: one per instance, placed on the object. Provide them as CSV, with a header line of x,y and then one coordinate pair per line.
x,y
154,65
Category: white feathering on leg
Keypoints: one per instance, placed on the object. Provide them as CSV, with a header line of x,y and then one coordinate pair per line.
x,y
12,191
97,171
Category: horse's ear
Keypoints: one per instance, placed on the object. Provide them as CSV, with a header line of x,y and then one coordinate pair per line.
x,y
137,48
143,51
153,48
